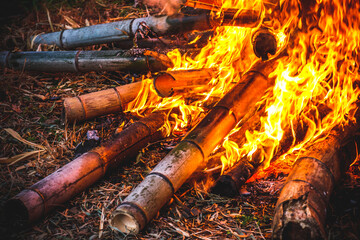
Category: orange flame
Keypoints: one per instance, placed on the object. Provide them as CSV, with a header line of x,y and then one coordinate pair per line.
x,y
322,42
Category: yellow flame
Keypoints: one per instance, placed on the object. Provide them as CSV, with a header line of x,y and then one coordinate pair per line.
x,y
321,70
314,90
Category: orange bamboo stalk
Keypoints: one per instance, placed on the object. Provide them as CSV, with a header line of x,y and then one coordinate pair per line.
x,y
113,100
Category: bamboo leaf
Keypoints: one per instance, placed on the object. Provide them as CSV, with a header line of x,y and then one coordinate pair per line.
x,y
22,156
18,137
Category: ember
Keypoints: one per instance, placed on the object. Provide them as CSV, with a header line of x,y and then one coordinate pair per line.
x,y
273,83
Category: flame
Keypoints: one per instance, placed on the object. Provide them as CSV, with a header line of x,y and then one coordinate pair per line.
x,y
314,86
320,71
215,54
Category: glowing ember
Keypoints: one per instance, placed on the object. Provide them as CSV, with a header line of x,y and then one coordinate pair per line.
x,y
321,39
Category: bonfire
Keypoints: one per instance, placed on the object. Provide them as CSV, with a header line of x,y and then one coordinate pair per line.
x,y
174,119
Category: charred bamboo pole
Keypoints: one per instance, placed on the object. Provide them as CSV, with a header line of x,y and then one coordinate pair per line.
x,y
230,183
80,61
158,187
301,208
112,100
35,202
125,30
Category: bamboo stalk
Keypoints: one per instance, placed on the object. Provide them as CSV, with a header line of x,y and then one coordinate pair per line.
x,y
230,183
112,100
35,202
301,208
157,188
80,61
126,29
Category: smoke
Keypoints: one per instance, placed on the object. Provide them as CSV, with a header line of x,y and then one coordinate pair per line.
x,y
166,6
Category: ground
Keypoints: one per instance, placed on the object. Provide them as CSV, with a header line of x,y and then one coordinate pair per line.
x,y
31,105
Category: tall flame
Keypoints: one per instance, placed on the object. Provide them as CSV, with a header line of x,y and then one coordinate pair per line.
x,y
321,70
314,87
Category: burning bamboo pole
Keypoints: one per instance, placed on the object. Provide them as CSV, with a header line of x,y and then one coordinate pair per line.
x,y
216,4
35,202
81,61
158,187
116,99
127,29
301,208
230,183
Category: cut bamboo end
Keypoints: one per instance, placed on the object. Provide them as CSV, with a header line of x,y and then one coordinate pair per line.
x,y
225,185
128,219
169,83
144,202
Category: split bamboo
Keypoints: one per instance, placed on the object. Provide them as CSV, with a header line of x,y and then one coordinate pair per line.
x,y
35,202
157,188
127,29
301,208
113,100
80,61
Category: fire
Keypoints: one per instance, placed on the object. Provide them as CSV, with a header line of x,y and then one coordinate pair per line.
x,y
321,71
314,85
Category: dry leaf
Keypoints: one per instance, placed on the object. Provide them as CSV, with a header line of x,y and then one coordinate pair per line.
x,y
18,137
71,22
22,156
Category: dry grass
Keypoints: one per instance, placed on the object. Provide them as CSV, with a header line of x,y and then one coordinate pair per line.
x,y
31,104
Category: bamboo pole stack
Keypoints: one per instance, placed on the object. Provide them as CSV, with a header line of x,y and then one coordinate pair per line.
x,y
157,188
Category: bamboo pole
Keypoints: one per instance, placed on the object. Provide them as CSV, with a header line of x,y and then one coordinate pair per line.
x,y
230,183
142,204
38,200
300,211
112,100
80,61
126,29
